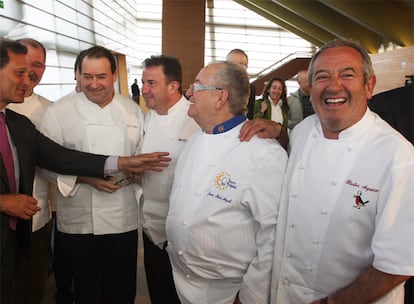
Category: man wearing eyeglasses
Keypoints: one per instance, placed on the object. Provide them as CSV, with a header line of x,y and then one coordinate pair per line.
x,y
31,276
223,205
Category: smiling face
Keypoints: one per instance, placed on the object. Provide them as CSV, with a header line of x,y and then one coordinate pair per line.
x,y
158,94
97,80
36,59
275,91
338,92
14,82
205,105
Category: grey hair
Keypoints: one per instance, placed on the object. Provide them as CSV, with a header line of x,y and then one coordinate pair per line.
x,y
233,78
367,69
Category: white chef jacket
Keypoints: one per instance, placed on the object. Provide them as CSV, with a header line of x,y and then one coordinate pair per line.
x,y
222,217
34,108
117,129
162,133
347,204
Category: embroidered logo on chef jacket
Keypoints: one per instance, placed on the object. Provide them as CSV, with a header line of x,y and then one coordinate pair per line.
x,y
223,181
359,202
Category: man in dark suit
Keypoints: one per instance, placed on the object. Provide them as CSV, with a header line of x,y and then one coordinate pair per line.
x,y
30,148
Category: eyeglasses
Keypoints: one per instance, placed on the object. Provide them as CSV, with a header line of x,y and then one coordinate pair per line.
x,y
195,87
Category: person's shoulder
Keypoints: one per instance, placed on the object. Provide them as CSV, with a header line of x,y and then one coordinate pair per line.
x,y
389,137
16,117
128,104
66,101
294,95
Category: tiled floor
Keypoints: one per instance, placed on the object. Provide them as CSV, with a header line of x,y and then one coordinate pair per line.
x,y
142,292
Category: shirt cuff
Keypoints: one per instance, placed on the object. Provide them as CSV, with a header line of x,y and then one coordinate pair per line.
x,y
111,165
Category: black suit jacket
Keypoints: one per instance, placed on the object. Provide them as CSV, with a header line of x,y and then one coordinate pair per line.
x,y
35,149
396,106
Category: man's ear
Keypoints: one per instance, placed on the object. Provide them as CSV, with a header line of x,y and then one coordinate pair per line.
x,y
174,85
369,87
223,99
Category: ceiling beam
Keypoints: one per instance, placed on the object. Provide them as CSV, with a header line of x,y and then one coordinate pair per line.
x,y
370,22
288,20
393,20
339,25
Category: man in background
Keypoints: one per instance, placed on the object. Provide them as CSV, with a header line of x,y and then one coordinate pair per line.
x,y
167,127
135,91
240,57
299,103
31,275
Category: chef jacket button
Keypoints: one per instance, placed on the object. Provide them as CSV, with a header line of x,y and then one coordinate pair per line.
x,y
212,165
169,243
285,282
334,183
301,167
288,255
294,194
324,212
315,242
349,149
184,223
291,225
309,268
188,276
198,194
313,135
180,252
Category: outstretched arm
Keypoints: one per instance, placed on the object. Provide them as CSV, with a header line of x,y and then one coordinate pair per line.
x,y
137,164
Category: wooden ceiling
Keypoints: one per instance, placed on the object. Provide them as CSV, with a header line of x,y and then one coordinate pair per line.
x,y
374,24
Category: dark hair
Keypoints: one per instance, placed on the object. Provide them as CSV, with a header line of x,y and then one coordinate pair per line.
x,y
33,43
78,60
98,52
7,45
367,69
171,67
283,96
